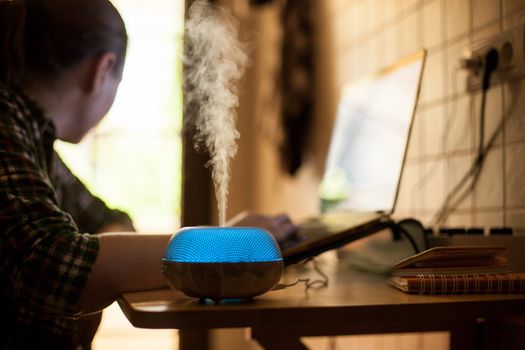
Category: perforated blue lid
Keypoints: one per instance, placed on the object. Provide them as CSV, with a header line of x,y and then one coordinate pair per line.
x,y
222,245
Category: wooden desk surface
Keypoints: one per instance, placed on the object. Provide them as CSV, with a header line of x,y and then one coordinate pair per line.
x,y
360,303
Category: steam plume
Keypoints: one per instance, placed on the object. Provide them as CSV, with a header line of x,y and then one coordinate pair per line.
x,y
215,60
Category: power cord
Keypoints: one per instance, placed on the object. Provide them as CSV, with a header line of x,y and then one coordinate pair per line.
x,y
412,230
308,283
490,65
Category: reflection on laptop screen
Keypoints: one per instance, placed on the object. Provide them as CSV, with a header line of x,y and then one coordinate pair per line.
x,y
369,139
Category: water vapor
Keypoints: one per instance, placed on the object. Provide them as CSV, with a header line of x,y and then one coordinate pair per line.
x,y
215,60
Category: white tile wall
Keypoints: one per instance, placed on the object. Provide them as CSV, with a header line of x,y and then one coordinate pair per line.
x,y
392,44
455,78
515,176
447,122
415,142
515,112
457,167
445,132
493,116
432,190
369,65
516,219
458,123
432,24
489,190
432,84
457,18
360,19
345,29
486,32
377,15
489,219
409,197
410,33
460,220
431,121
485,11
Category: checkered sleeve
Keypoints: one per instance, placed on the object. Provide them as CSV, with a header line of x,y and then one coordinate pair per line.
x,y
45,260
91,214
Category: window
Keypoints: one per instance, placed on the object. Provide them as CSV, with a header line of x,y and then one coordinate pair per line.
x,y
132,160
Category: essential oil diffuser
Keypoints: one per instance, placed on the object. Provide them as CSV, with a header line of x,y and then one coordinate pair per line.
x,y
222,262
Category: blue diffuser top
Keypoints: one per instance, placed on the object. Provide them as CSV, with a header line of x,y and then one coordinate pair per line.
x,y
222,245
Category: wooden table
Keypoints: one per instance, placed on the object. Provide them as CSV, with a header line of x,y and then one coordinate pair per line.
x,y
353,303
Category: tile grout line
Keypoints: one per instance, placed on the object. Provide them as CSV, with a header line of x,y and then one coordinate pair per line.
x,y
473,197
503,133
446,185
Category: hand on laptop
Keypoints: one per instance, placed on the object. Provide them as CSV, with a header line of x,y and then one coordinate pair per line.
x,y
280,226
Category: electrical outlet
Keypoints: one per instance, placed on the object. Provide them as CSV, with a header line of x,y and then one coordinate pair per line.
x,y
511,65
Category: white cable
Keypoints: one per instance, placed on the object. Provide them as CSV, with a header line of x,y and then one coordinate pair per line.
x,y
308,283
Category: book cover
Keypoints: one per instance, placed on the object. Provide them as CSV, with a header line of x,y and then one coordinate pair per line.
x,y
453,260
457,270
490,283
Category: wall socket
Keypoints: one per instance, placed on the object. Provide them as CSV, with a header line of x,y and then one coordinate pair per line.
x,y
511,66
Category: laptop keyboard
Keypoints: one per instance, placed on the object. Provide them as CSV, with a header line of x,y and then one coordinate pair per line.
x,y
325,225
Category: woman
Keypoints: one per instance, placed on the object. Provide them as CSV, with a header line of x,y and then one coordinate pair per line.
x,y
60,67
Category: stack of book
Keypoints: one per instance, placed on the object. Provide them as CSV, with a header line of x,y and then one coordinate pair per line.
x,y
457,270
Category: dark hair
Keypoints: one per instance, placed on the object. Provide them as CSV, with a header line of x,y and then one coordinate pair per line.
x,y
41,39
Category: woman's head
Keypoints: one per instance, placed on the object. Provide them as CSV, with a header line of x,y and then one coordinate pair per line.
x,y
46,42
42,39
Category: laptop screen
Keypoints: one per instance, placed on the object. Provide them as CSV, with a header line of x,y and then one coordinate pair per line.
x,y
370,138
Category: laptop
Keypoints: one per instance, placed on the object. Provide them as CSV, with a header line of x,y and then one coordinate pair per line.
x,y
365,161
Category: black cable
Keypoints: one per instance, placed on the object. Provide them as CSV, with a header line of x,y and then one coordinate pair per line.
x,y
481,125
402,227
409,237
477,170
490,65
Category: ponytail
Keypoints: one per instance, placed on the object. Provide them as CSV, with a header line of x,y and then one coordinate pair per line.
x,y
12,41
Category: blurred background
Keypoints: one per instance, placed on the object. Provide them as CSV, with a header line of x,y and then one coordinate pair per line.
x,y
303,52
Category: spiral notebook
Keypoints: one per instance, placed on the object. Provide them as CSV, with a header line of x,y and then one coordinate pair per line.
x,y
457,270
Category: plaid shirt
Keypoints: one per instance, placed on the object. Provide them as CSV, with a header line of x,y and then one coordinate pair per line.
x,y
44,260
